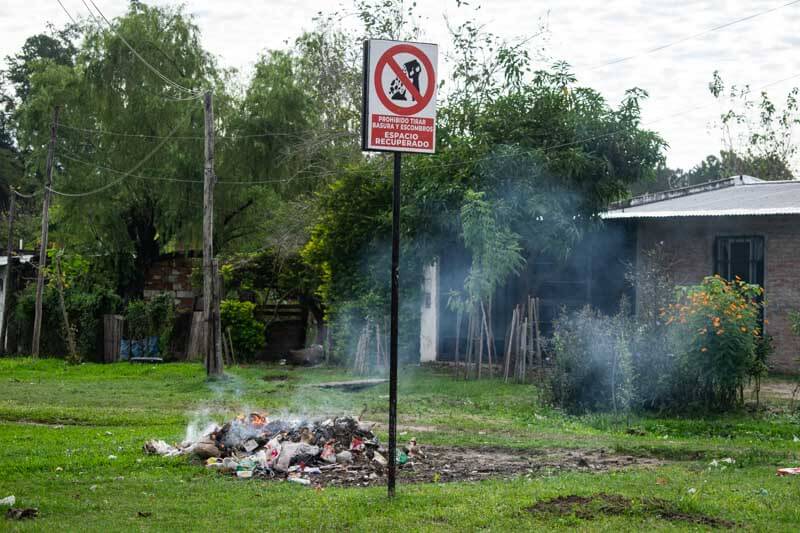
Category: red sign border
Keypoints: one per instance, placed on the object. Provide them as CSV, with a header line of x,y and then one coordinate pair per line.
x,y
383,61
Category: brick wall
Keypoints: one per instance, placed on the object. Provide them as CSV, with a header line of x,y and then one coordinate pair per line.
x,y
172,274
690,242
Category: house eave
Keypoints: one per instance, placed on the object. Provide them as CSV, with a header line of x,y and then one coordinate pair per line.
x,y
622,214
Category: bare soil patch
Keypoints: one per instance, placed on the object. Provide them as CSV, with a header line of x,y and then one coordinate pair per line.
x,y
591,507
441,464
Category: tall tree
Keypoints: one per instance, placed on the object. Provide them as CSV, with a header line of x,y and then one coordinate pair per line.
x,y
118,111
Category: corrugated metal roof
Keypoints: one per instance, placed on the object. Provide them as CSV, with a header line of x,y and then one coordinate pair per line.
x,y
741,196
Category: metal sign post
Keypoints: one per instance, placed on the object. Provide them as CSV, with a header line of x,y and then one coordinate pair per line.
x,y
399,115
393,328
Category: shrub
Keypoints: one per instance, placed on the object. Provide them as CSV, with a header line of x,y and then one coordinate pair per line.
x,y
715,332
247,333
592,361
85,308
152,318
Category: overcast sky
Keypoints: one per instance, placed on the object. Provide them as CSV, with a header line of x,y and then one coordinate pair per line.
x,y
586,33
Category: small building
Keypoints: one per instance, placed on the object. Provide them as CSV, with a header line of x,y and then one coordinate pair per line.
x,y
740,226
22,263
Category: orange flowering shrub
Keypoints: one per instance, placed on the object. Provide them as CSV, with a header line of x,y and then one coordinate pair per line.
x,y
714,328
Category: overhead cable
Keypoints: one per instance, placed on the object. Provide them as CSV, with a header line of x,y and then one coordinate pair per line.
x,y
122,178
693,36
174,84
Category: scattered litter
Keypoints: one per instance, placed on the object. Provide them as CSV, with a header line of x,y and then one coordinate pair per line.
x,y
380,459
788,471
342,451
112,457
722,462
22,514
795,438
692,490
344,457
59,469
160,447
8,501
255,446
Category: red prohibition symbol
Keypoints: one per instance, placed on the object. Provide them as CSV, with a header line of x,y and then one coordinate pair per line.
x,y
388,60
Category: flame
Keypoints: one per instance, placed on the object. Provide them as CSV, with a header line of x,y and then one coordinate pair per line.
x,y
257,419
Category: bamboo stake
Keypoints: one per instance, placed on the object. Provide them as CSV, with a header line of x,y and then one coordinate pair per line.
x,y
488,337
470,343
458,337
538,334
508,343
480,351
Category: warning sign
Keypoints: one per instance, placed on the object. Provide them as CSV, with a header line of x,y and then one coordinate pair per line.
x,y
399,112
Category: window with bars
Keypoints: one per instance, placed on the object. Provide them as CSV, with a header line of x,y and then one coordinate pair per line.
x,y
740,256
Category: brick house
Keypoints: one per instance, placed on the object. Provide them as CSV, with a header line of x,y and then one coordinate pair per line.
x,y
740,226
172,273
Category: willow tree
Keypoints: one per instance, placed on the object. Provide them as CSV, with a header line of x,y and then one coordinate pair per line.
x,y
130,151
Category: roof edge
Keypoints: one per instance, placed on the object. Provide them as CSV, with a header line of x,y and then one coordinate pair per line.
x,y
650,198
766,211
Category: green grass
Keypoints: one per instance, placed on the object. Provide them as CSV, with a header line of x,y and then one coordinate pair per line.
x,y
59,424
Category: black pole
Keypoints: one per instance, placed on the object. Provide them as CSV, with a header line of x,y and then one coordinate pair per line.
x,y
395,311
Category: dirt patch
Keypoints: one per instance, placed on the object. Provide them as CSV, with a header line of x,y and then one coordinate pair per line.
x,y
591,507
449,464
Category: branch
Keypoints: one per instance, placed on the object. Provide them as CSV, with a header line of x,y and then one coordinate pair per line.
x,y
236,212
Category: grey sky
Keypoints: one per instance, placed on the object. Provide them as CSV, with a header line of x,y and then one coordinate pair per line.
x,y
585,33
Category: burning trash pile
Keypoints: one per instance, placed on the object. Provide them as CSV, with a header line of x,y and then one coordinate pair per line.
x,y
304,451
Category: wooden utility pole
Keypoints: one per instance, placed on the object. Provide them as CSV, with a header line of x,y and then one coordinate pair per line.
x,y
7,277
37,319
210,301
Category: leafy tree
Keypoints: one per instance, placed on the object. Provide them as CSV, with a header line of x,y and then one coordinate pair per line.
x,y
110,89
757,134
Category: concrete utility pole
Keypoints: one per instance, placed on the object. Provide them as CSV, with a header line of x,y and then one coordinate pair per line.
x,y
213,345
37,320
7,277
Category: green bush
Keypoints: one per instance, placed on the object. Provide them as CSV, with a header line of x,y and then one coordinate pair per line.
x,y
700,352
592,362
152,318
247,333
716,335
85,308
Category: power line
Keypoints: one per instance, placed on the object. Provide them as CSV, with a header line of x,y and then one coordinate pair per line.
x,y
67,12
230,136
27,196
693,36
129,174
181,180
113,183
298,175
174,84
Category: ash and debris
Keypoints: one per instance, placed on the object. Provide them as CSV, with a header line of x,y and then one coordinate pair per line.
x,y
345,452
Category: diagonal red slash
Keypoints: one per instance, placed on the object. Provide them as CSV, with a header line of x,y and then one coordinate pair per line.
x,y
404,79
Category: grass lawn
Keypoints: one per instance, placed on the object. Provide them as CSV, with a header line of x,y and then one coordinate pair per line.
x,y
60,424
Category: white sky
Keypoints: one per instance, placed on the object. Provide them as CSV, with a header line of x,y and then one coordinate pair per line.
x,y
585,33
